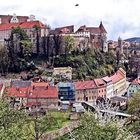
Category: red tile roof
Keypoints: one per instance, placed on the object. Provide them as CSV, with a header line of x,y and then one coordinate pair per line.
x,y
99,82
17,92
119,75
40,90
31,24
24,25
81,85
51,92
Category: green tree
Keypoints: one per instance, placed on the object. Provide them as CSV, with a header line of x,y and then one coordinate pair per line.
x,y
69,44
19,35
27,49
37,32
12,123
92,129
4,60
134,105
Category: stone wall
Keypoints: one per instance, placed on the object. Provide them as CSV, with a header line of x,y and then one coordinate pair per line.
x,y
60,132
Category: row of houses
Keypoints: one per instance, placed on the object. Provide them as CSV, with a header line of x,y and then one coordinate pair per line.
x,y
90,90
29,94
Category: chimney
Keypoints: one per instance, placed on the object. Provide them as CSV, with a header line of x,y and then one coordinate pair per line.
x,y
46,87
17,89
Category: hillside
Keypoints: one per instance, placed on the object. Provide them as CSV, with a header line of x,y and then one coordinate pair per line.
x,y
89,64
134,39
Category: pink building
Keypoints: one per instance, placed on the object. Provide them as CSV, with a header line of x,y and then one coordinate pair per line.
x,y
101,87
85,91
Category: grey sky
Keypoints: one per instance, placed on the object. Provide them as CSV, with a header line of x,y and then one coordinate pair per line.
x,y
120,17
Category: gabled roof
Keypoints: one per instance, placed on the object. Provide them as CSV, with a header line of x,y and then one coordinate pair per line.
x,y
81,85
23,25
7,18
50,92
35,90
99,82
92,30
119,75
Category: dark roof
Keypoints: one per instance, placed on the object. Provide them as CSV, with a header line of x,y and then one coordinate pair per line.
x,y
65,29
102,28
117,99
93,30
20,83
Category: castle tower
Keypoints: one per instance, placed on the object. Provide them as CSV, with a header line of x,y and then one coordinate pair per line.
x,y
103,37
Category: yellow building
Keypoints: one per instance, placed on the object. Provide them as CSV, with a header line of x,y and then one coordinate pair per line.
x,y
119,81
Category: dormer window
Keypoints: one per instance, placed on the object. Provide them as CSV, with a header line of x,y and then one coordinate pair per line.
x,y
14,19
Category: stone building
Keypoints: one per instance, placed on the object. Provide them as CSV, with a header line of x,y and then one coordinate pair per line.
x,y
7,22
97,36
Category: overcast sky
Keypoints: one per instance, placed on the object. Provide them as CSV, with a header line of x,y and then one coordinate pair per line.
x,y
120,17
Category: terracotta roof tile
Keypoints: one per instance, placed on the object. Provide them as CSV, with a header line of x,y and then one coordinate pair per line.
x,y
24,25
80,85
51,92
117,76
40,90
16,92
99,82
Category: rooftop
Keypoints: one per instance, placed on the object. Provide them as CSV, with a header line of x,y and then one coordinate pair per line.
x,y
81,85
24,25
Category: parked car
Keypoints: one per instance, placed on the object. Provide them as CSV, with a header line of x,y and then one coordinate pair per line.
x,y
77,107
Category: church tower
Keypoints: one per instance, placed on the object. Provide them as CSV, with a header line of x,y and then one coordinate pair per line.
x,y
120,45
